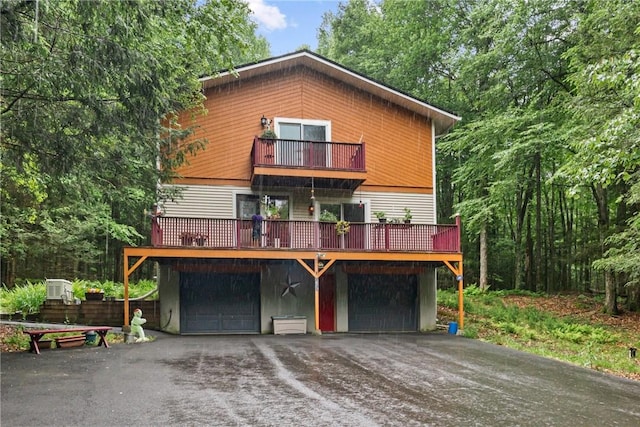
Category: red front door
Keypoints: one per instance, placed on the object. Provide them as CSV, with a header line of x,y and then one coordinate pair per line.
x,y
327,303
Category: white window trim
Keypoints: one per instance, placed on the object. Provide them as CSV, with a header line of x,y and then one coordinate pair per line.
x,y
325,123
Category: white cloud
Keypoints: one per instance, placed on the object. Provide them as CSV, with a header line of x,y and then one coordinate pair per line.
x,y
266,16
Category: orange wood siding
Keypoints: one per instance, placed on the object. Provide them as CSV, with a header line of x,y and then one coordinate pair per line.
x,y
398,142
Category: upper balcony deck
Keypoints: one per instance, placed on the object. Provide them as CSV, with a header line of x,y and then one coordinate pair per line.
x,y
284,162
303,235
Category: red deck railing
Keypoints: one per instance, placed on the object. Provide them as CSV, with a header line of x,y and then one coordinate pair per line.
x,y
308,235
308,154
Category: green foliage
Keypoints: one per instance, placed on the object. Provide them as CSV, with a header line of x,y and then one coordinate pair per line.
x,y
407,214
493,319
90,95
327,216
380,214
18,339
28,298
448,298
114,289
471,332
269,134
25,299
527,321
581,333
549,101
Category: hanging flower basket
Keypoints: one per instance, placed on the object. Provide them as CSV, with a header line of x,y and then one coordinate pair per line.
x,y
342,227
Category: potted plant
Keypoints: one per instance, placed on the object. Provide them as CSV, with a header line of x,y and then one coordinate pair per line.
x,y
269,134
200,239
382,217
342,227
94,294
268,139
407,216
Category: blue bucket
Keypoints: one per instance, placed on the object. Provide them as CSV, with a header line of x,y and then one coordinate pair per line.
x,y
453,328
90,337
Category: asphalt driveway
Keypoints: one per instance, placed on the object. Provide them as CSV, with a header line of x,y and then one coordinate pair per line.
x,y
331,380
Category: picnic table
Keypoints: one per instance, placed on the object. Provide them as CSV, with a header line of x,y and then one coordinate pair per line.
x,y
37,334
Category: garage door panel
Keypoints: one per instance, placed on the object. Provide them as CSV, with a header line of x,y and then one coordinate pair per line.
x,y
237,323
219,303
382,303
201,323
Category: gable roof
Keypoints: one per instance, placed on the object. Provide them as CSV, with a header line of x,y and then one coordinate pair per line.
x,y
443,120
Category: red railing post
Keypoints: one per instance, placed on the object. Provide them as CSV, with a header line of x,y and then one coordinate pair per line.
x,y
386,236
227,233
238,233
156,232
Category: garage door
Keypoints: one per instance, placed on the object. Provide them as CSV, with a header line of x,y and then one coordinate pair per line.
x,y
382,303
219,303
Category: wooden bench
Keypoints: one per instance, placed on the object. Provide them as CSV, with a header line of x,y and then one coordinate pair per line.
x,y
37,334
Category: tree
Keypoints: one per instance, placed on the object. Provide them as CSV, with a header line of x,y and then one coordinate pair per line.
x,y
89,93
605,133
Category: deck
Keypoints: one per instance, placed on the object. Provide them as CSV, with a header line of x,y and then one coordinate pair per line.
x,y
177,232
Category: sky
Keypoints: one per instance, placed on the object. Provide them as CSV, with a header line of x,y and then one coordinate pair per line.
x,y
288,24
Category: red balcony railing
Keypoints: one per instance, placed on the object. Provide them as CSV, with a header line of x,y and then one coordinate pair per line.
x,y
308,154
308,235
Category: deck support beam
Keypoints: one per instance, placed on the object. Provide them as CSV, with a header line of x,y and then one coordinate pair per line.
x,y
460,278
127,272
316,273
320,265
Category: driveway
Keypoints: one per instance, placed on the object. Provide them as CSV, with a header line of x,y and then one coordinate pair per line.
x,y
331,380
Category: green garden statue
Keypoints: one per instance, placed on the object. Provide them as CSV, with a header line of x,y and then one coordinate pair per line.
x,y
136,325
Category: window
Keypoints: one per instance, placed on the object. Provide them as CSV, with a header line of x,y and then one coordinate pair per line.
x,y
352,212
247,205
269,206
296,148
276,207
307,130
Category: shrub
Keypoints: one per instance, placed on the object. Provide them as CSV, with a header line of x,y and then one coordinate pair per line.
x,y
29,297
26,298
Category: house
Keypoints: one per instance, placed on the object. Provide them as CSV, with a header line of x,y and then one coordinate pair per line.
x,y
255,237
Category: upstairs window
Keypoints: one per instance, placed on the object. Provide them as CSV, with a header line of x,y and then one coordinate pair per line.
x,y
299,129
295,148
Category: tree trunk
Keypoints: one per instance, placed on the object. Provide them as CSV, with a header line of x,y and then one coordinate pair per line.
x,y
484,283
610,293
523,197
528,258
633,300
539,285
610,288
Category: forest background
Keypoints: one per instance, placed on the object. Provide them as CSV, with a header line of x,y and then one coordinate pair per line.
x,y
544,168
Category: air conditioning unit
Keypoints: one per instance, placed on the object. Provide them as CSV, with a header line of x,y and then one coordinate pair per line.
x,y
59,288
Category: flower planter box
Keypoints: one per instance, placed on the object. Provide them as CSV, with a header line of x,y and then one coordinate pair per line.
x,y
72,341
44,344
94,296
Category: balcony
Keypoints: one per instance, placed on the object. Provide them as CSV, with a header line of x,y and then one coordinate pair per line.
x,y
303,235
290,163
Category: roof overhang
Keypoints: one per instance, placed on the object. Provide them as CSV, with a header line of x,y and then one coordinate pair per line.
x,y
443,120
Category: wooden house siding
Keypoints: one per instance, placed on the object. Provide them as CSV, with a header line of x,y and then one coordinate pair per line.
x,y
399,142
422,206
204,201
